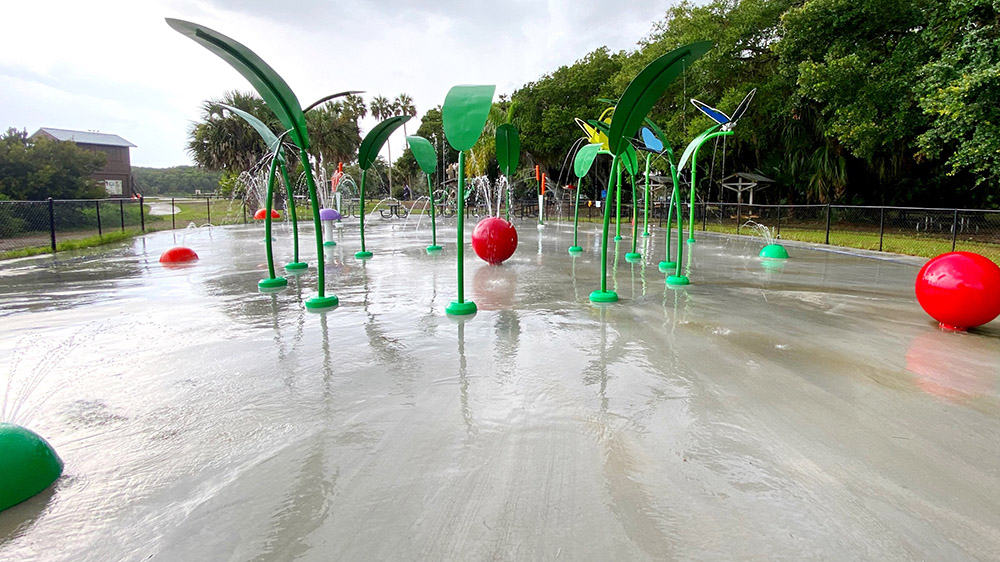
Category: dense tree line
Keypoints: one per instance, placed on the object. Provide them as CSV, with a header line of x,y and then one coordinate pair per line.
x,y
864,102
175,180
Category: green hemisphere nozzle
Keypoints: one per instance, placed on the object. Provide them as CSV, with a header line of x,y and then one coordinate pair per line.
x,y
28,465
774,251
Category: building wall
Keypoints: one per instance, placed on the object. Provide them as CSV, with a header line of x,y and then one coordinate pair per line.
x,y
118,167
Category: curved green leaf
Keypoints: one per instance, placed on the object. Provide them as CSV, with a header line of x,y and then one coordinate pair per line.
x,y
695,144
508,148
372,144
279,97
423,153
464,114
599,125
630,159
646,88
270,139
585,159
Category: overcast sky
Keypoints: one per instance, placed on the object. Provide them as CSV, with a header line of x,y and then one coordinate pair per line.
x,y
116,67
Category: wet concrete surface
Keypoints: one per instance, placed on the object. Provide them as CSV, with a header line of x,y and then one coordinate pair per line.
x,y
805,410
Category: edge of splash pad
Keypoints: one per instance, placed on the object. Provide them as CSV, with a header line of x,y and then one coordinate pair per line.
x,y
28,465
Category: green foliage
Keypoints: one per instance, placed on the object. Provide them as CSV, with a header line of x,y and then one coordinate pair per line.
x,y
34,169
175,180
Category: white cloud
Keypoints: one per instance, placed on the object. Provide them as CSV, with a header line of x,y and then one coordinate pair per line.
x,y
115,66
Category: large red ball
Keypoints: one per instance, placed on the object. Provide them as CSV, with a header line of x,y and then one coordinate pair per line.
x,y
960,290
494,240
180,254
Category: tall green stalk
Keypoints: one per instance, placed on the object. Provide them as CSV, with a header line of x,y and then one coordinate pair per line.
x,y
645,200
295,264
604,295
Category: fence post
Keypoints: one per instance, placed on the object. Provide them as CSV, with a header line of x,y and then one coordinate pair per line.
x,y
827,223
739,211
881,226
121,212
208,209
779,220
142,213
244,211
97,205
173,215
52,224
954,230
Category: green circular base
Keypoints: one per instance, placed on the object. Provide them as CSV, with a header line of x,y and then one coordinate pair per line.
x,y
296,265
666,266
28,465
690,240
604,296
461,308
633,257
677,280
363,255
575,249
321,303
646,235
774,251
618,237
433,248
329,243
271,284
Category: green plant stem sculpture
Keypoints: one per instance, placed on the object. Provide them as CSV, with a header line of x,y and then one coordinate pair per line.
x,y
603,295
645,201
668,263
282,101
295,264
272,282
463,117
582,163
636,102
423,153
691,153
367,153
508,144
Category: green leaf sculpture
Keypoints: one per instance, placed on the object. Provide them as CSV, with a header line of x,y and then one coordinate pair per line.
x,y
276,93
694,145
464,114
645,89
508,148
372,144
585,159
423,153
270,139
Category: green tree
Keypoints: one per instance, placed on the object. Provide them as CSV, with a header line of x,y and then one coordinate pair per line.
x,y
35,169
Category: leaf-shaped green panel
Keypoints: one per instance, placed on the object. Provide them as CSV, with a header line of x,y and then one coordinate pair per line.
x,y
270,139
423,153
647,87
695,144
599,125
630,160
265,80
372,144
464,114
585,159
508,148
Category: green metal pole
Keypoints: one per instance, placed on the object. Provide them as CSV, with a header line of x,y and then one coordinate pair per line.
x,y
694,169
321,301
295,264
272,282
677,278
604,295
618,207
509,195
645,200
461,307
633,255
575,248
363,254
674,198
434,244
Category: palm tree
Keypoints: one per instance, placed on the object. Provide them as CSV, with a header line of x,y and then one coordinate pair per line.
x,y
223,141
404,106
381,109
